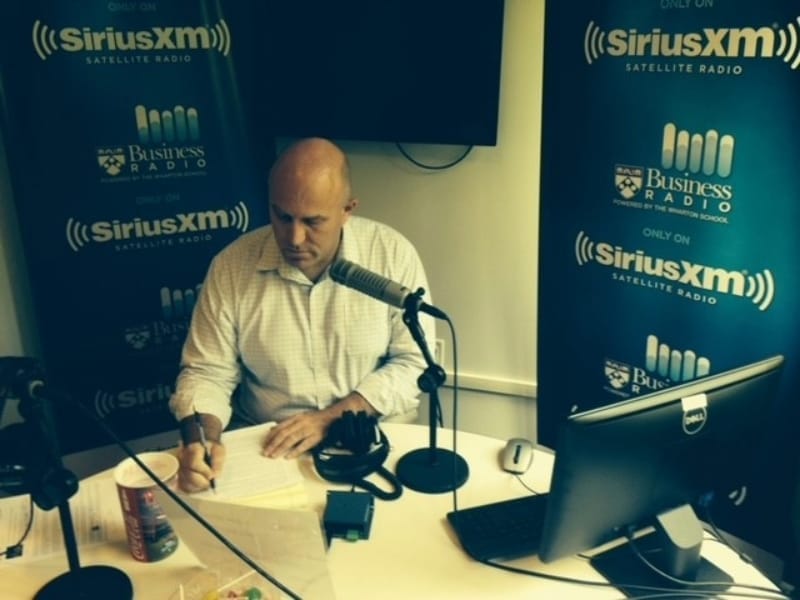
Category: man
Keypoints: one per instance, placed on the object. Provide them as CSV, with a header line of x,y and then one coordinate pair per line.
x,y
274,338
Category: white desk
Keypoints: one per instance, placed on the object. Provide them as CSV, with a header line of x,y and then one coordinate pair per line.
x,y
411,552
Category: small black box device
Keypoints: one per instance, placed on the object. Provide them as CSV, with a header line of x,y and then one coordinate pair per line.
x,y
348,515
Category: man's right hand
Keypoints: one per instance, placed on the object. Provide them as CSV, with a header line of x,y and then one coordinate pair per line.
x,y
194,474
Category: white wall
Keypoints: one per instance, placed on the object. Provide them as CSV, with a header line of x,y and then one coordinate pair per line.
x,y
475,225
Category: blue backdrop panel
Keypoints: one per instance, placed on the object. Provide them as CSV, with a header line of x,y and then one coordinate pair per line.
x,y
669,214
136,152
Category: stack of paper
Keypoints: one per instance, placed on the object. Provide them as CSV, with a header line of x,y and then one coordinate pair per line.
x,y
96,519
252,479
288,545
260,505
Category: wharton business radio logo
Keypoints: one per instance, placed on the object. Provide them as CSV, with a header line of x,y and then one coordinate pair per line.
x,y
181,124
702,51
171,327
663,366
674,365
178,304
689,180
688,280
708,153
168,146
112,160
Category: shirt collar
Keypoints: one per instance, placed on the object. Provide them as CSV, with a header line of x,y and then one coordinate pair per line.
x,y
348,247
270,258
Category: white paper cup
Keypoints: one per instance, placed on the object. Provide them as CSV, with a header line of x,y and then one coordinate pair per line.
x,y
150,536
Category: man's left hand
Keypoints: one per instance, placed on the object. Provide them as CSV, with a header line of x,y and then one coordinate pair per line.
x,y
301,432
295,435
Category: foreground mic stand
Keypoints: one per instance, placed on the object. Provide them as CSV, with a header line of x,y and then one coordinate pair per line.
x,y
52,486
431,470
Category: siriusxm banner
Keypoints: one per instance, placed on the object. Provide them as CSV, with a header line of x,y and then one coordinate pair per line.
x,y
135,154
669,212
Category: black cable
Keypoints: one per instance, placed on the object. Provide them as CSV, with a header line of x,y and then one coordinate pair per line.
x,y
657,592
26,532
705,503
679,594
422,165
695,586
526,486
558,578
454,344
193,513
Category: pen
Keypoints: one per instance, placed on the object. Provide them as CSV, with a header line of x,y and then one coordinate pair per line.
x,y
206,453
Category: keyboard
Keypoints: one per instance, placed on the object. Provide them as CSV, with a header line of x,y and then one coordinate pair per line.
x,y
501,530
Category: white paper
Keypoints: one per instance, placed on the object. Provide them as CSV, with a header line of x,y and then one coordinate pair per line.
x,y
247,472
287,544
96,518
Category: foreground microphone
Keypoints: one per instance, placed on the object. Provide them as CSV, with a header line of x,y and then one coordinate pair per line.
x,y
379,287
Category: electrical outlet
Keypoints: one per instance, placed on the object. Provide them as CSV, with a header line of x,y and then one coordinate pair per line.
x,y
438,351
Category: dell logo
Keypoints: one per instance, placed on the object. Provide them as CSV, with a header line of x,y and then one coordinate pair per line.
x,y
695,413
692,423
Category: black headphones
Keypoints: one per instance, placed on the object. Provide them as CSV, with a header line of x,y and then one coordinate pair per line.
x,y
353,448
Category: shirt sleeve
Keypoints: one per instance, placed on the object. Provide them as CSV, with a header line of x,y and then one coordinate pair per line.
x,y
209,367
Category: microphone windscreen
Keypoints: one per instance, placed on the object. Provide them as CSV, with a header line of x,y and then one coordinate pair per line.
x,y
365,281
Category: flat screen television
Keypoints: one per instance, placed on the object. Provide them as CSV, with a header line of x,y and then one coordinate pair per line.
x,y
648,464
415,71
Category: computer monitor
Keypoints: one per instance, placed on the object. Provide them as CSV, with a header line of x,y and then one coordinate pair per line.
x,y
649,461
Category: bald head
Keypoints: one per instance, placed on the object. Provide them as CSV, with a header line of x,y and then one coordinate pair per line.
x,y
313,162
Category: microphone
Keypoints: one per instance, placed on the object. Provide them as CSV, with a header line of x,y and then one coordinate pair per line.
x,y
379,287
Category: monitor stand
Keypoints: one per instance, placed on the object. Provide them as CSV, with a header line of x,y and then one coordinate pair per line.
x,y
674,548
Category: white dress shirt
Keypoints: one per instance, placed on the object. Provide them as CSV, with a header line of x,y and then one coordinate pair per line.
x,y
293,345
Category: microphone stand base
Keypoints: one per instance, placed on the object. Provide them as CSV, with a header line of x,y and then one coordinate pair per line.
x,y
87,583
432,470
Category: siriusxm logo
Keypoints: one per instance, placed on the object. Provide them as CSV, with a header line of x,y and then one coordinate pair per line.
x,y
80,234
760,288
46,40
106,403
706,43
